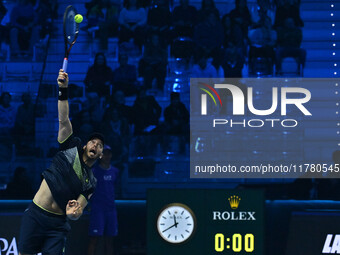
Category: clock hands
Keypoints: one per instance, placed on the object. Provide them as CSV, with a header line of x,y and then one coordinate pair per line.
x,y
174,225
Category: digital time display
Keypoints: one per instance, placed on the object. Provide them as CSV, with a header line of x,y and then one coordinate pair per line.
x,y
237,226
237,242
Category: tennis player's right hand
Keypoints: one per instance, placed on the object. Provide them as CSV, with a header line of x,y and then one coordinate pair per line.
x,y
73,210
62,79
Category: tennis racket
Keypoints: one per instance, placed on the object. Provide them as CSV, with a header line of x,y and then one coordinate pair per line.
x,y
71,31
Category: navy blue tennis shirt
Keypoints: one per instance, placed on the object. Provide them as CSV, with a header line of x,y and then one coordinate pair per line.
x,y
68,176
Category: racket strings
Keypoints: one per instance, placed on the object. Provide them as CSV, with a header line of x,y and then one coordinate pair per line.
x,y
71,28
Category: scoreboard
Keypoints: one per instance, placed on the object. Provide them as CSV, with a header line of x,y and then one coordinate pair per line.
x,y
205,221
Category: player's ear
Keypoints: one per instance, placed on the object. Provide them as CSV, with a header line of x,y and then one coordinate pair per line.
x,y
101,155
84,147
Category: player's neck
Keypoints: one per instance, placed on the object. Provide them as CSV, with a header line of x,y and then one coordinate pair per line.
x,y
89,162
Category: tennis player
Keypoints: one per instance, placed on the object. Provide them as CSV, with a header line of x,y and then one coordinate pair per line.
x,y
66,187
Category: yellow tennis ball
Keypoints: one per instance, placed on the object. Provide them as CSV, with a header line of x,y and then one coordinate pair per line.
x,y
78,18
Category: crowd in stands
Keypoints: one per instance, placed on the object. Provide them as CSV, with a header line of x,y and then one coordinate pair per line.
x,y
17,126
123,124
212,45
230,40
29,22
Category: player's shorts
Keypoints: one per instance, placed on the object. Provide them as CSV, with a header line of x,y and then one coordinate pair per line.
x,y
103,223
42,231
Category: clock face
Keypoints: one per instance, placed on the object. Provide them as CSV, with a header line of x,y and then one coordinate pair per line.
x,y
176,223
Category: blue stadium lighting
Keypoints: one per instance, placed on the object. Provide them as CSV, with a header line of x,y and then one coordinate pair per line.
x,y
335,73
333,34
334,44
333,53
335,64
332,14
333,25
332,5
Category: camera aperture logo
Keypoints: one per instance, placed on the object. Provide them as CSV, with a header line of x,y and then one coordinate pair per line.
x,y
280,98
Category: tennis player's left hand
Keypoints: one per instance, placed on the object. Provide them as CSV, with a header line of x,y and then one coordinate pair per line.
x,y
62,79
73,210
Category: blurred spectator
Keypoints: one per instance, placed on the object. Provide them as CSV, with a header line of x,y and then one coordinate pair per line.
x,y
287,9
125,76
184,18
289,39
103,14
117,134
7,118
217,62
23,130
99,77
233,48
46,12
132,21
147,113
24,28
263,8
262,41
7,114
89,119
95,106
233,61
203,68
159,20
146,4
233,34
82,124
75,91
209,33
103,218
176,116
240,16
4,32
207,7
19,187
154,62
118,101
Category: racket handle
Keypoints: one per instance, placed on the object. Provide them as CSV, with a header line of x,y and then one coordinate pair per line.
x,y
65,64
64,68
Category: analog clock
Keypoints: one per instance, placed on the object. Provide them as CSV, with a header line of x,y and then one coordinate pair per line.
x,y
176,223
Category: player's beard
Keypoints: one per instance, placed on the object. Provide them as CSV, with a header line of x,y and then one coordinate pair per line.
x,y
89,159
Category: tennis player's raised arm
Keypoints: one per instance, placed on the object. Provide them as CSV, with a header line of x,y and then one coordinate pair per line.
x,y
65,127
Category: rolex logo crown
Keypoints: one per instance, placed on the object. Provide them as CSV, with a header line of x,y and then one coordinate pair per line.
x,y
234,201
